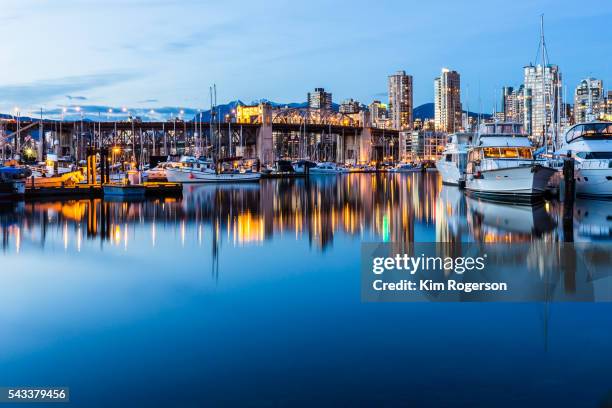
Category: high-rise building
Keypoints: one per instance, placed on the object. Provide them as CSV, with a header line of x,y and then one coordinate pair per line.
x,y
589,100
379,114
509,103
319,99
350,106
400,100
544,85
447,101
513,104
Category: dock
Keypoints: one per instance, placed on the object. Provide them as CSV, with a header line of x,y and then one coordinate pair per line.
x,y
79,191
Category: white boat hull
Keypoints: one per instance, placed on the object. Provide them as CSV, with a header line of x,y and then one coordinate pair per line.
x,y
198,176
406,170
518,181
594,182
449,172
318,171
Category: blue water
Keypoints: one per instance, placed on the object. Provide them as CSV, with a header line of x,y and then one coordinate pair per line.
x,y
250,296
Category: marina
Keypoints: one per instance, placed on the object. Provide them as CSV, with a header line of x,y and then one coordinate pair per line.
x,y
305,204
229,240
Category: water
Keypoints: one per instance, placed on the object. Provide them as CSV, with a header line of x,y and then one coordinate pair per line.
x,y
249,295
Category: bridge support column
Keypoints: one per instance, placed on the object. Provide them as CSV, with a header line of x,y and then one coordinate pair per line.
x,y
365,145
339,148
265,148
403,139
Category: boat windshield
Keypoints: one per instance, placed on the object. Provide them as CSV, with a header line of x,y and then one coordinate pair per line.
x,y
589,131
508,153
491,129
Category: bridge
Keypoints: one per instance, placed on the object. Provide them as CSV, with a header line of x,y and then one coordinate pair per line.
x,y
261,131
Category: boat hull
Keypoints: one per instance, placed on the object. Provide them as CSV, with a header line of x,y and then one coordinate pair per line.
x,y
595,182
124,191
406,170
449,172
511,182
317,170
12,189
197,176
56,181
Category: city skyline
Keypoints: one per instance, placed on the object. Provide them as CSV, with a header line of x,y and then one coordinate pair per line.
x,y
170,62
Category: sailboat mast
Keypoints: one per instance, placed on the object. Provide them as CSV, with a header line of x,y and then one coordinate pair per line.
x,y
544,92
212,117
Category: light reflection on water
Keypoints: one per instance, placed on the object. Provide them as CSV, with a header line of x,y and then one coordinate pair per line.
x,y
396,208
253,290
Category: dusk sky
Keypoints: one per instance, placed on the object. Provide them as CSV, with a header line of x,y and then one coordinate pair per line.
x,y
164,53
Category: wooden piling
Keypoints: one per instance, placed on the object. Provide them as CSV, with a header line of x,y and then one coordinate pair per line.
x,y
569,193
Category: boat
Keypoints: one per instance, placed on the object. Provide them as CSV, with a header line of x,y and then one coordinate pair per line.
x,y
122,190
61,180
501,165
12,182
228,170
406,168
453,162
302,166
328,168
158,173
590,144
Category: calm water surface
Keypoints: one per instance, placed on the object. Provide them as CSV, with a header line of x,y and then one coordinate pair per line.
x,y
249,295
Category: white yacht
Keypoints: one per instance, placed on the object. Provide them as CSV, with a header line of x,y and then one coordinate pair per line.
x,y
328,168
501,164
205,171
591,146
453,162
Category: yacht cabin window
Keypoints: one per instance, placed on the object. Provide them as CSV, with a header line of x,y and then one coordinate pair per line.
x,y
524,153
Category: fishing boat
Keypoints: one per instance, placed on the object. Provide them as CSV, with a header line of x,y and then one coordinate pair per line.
x,y
328,168
453,161
590,144
228,170
158,173
12,182
501,165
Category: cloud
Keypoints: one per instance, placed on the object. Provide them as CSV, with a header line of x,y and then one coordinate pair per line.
x,y
78,98
49,89
148,101
110,112
205,36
